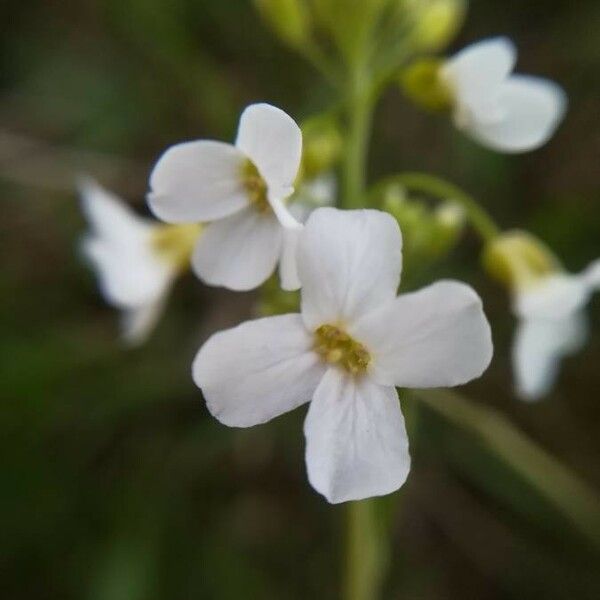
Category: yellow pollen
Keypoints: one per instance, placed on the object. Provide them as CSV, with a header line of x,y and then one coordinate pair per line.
x,y
335,346
255,186
174,243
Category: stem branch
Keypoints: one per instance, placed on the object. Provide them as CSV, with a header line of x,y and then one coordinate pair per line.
x,y
429,184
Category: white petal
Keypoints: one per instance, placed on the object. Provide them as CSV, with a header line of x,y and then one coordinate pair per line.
x,y
591,276
555,297
438,336
108,216
239,252
288,264
349,263
530,110
476,71
130,275
356,442
197,181
257,370
284,216
137,323
273,141
539,345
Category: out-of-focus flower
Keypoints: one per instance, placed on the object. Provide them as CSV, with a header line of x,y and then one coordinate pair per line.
x,y
505,112
549,305
136,259
353,342
239,191
509,113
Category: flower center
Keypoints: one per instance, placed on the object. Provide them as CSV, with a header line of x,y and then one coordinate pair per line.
x,y
255,186
174,243
335,346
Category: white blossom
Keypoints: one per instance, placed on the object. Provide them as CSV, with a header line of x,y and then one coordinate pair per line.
x,y
352,344
136,259
238,190
506,112
552,325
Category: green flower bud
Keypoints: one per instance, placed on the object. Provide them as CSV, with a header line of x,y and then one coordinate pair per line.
x,y
349,23
436,23
449,221
518,259
289,19
321,146
422,83
428,233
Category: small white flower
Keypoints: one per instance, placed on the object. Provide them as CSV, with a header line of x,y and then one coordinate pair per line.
x,y
508,113
353,342
136,259
552,325
239,190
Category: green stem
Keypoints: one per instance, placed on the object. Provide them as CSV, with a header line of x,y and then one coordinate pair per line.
x,y
571,496
429,184
366,550
360,116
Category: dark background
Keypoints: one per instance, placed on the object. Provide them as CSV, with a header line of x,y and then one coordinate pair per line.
x,y
116,483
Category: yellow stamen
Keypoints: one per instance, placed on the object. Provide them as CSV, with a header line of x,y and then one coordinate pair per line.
x,y
335,346
174,243
255,186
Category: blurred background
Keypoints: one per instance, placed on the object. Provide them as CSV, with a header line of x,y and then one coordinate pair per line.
x,y
116,482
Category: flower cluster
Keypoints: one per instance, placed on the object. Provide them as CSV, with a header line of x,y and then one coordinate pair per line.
x,y
233,214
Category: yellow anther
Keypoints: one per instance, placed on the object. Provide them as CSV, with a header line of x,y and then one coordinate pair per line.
x,y
174,243
255,186
335,346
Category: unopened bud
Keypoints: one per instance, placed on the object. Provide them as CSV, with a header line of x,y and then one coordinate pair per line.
x,y
436,23
519,259
321,147
289,19
422,83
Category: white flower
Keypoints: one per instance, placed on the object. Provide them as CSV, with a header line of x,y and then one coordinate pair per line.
x,y
239,190
135,258
508,113
353,342
552,325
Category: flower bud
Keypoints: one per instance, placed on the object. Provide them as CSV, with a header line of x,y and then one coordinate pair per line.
x,y
422,83
436,23
428,233
518,259
321,146
289,19
349,23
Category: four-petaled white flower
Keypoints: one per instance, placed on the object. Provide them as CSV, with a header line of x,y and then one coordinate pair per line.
x,y
552,325
136,259
239,191
353,342
508,113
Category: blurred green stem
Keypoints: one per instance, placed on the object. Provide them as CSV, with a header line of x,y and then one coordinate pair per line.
x,y
571,496
366,550
360,115
444,190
